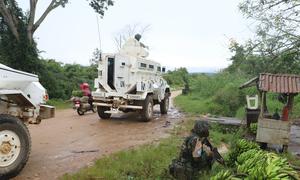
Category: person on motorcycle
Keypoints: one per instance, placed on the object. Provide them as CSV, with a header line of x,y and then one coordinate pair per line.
x,y
85,88
196,154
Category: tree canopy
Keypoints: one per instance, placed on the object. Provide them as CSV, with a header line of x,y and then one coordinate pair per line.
x,y
277,25
8,13
276,46
17,46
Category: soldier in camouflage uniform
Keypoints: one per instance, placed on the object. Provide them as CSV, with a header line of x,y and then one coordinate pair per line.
x,y
195,156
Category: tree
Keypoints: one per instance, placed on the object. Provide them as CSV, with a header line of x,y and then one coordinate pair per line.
x,y
128,32
277,21
17,52
7,10
17,47
246,62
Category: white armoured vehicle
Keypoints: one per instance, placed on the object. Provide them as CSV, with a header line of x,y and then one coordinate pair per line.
x,y
129,82
21,102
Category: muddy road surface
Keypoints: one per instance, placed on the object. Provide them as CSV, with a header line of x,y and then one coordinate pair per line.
x,y
68,142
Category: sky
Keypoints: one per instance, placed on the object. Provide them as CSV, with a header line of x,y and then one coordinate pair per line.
x,y
191,33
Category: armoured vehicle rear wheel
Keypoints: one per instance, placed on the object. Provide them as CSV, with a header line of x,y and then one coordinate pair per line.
x,y
15,146
101,112
164,105
147,113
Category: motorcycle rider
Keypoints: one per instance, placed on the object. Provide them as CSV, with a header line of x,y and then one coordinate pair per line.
x,y
85,88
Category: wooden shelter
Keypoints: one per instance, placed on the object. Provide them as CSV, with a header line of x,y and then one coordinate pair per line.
x,y
287,86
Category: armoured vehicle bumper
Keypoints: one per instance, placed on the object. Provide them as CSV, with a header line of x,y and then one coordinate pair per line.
x,y
102,96
116,101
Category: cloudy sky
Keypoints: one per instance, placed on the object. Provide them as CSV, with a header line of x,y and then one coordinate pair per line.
x,y
191,33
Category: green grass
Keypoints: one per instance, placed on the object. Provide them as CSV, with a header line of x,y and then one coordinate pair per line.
x,y
220,95
148,161
59,104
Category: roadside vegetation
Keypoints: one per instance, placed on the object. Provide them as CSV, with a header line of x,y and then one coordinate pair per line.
x,y
177,78
219,95
150,161
60,104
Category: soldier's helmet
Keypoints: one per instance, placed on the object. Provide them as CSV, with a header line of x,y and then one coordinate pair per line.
x,y
138,37
201,128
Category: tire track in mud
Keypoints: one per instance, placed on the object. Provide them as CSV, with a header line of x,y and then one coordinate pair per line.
x,y
68,142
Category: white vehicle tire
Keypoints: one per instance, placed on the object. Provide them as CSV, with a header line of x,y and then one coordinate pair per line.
x,y
147,112
15,145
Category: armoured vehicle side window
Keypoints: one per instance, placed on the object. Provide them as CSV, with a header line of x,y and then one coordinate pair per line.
x,y
111,72
151,67
159,69
143,65
163,69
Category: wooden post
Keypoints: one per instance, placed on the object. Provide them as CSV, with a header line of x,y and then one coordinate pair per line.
x,y
265,103
262,107
290,102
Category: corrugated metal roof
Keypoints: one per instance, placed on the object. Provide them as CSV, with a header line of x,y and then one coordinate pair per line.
x,y
279,83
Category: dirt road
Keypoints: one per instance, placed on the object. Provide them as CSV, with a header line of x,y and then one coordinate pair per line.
x,y
69,142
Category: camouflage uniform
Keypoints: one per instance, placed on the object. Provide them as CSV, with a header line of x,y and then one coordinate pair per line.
x,y
187,166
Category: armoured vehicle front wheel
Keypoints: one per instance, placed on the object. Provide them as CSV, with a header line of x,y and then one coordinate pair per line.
x,y
164,105
101,112
15,146
147,113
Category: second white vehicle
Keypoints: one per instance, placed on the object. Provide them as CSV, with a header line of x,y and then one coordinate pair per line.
x,y
127,81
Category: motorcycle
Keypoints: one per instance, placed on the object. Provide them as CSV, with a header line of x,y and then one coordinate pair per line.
x,y
82,105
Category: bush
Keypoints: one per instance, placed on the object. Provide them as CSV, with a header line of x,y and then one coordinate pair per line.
x,y
215,93
230,97
77,93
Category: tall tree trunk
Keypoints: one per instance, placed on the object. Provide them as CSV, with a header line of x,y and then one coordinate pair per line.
x,y
31,20
9,19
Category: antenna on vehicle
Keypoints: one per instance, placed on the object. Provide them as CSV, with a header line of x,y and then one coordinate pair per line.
x,y
99,37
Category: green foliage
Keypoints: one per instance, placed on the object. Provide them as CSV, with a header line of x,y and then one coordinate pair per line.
x,y
148,161
248,63
219,94
101,5
18,50
59,103
61,79
177,78
18,54
216,94
277,26
77,93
